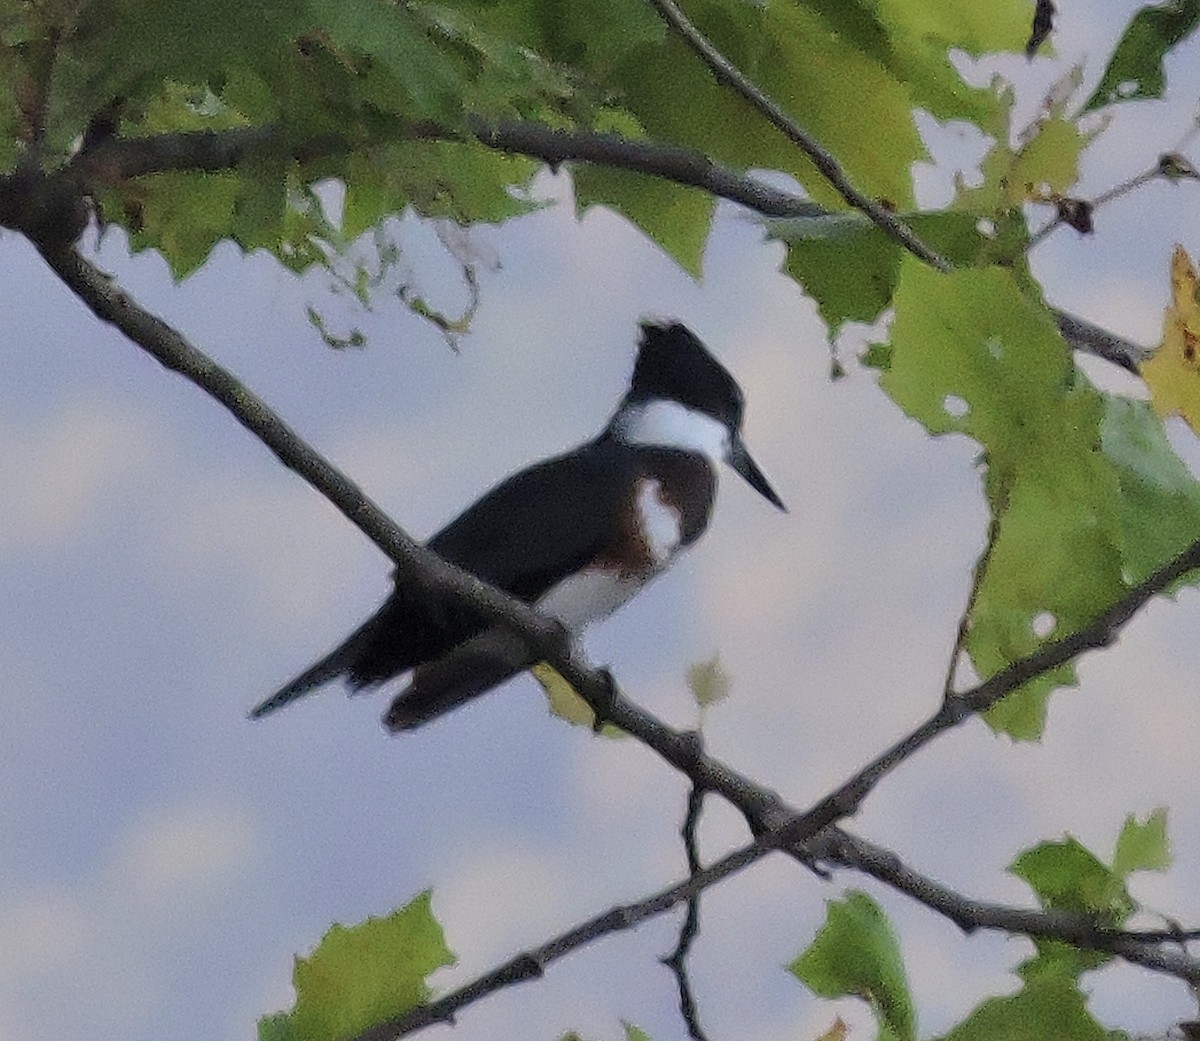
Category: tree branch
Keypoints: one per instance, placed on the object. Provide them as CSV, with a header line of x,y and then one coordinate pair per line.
x,y
1153,950
763,809
213,150
729,74
415,564
207,150
531,964
959,707
1082,335
1149,948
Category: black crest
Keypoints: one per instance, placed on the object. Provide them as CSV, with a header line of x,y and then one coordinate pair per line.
x,y
672,363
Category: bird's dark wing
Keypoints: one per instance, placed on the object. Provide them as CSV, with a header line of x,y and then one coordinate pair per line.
x,y
541,524
524,535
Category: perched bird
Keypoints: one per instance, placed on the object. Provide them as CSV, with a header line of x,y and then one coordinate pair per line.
x,y
576,536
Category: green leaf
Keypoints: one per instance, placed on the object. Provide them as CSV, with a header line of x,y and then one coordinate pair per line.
x,y
1142,845
397,40
678,219
972,355
633,1033
1085,494
362,975
922,36
1136,69
1043,163
1050,1004
1159,499
463,181
683,104
856,953
135,47
564,702
850,267
1068,877
277,1027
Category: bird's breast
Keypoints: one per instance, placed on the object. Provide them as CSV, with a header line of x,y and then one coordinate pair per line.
x,y
665,509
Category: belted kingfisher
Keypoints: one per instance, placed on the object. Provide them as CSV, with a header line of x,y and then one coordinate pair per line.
x,y
576,536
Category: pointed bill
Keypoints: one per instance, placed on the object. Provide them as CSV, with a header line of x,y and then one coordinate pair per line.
x,y
741,461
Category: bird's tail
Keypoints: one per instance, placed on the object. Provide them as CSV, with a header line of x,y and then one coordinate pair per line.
x,y
338,661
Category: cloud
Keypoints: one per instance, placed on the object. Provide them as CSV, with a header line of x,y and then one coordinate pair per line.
x,y
58,474
96,956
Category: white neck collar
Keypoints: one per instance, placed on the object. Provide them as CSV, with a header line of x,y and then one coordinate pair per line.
x,y
659,423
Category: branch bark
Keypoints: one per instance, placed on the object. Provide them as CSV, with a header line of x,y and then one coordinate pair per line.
x,y
123,158
531,964
1152,950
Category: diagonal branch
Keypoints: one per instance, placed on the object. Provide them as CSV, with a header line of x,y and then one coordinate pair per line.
x,y
1150,948
531,964
1101,632
729,74
764,810
415,564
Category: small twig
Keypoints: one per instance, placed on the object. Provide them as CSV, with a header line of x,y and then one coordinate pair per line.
x,y
532,964
729,74
1091,205
977,576
676,961
1084,336
1151,949
954,710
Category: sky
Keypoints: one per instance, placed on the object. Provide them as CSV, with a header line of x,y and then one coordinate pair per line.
x,y
162,858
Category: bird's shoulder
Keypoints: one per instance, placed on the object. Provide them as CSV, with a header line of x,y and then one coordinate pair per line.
x,y
543,522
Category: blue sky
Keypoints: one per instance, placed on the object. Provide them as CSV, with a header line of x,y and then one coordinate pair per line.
x,y
162,858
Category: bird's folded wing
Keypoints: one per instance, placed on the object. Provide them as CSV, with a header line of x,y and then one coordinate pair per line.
x,y
471,669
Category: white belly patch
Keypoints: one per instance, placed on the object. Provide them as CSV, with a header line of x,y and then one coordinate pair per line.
x,y
659,521
591,595
587,597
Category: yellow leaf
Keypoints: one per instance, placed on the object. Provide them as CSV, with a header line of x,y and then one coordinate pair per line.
x,y
1173,372
565,702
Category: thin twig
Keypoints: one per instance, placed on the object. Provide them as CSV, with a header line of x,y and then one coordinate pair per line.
x,y
729,74
532,964
676,961
1124,188
1083,336
977,576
